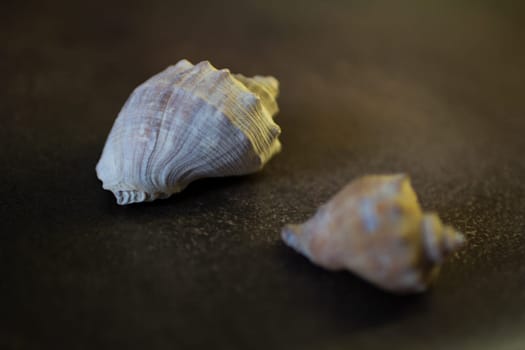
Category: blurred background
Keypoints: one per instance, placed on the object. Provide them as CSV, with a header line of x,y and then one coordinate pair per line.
x,y
431,88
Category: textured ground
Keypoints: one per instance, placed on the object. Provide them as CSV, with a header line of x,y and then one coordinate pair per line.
x,y
434,89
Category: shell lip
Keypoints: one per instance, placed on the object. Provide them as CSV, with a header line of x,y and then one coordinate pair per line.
x,y
124,197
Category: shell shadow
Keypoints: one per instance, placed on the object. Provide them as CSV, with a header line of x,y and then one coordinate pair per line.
x,y
206,188
199,198
343,300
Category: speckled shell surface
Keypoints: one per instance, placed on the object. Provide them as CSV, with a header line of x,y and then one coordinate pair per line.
x,y
375,228
185,123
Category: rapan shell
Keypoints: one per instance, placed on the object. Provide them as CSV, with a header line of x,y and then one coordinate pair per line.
x,y
186,123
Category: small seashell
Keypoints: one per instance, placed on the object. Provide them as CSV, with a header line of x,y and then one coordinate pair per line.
x,y
375,228
185,123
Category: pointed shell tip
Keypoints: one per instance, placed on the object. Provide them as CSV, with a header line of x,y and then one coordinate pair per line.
x,y
289,235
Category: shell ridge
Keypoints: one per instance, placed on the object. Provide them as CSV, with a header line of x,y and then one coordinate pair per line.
x,y
265,147
266,87
168,76
158,138
194,78
228,155
180,144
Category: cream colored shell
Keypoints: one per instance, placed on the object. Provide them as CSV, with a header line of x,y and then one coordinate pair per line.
x,y
375,228
185,123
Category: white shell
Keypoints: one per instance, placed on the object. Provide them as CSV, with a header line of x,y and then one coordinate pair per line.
x,y
375,228
185,123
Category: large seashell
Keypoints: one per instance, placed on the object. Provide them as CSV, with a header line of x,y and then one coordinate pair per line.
x,y
185,123
375,228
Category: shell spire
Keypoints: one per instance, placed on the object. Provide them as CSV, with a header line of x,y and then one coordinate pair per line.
x,y
185,123
439,240
375,228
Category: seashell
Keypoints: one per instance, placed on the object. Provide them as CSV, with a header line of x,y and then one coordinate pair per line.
x,y
375,228
185,123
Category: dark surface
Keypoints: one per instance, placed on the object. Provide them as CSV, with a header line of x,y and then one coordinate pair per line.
x,y
434,89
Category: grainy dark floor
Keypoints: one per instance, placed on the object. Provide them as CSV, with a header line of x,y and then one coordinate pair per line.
x,y
434,89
